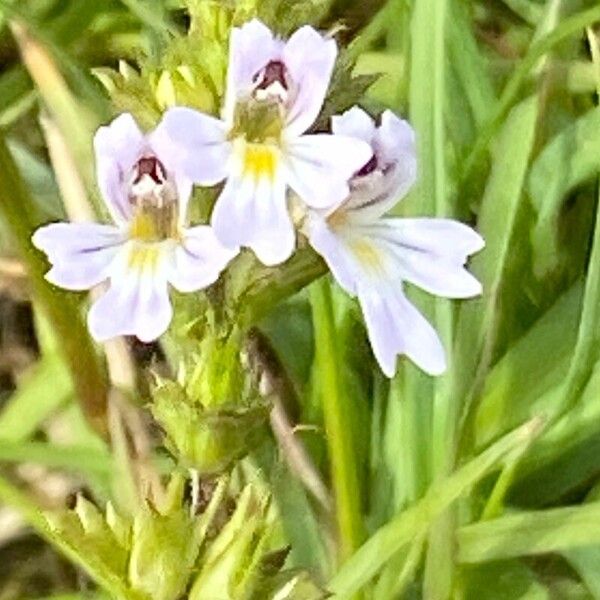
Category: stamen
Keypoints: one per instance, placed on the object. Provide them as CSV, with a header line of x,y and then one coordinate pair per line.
x,y
150,165
153,195
274,72
272,83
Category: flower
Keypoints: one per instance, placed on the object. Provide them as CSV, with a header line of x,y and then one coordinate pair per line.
x,y
147,247
371,255
275,91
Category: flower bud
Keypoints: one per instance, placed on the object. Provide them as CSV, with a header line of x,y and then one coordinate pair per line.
x,y
208,440
165,545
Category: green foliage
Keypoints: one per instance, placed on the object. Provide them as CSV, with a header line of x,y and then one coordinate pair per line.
x,y
482,484
204,438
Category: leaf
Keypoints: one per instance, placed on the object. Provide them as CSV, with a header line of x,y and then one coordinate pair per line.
x,y
529,533
566,456
88,560
390,538
517,387
46,389
585,561
68,457
569,160
469,63
346,89
512,580
40,180
61,308
479,319
567,27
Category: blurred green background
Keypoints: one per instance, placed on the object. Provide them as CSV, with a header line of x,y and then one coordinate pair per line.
x,y
503,95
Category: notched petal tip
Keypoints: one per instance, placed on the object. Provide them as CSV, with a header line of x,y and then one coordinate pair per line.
x,y
254,28
477,244
120,134
38,238
355,122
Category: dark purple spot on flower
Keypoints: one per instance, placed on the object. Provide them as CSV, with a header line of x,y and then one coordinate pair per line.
x,y
368,167
274,72
150,165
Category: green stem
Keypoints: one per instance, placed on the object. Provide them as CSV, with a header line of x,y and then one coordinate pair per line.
x,y
271,286
61,309
337,424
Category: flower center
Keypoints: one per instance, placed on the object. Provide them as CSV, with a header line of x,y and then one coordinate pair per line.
x,y
153,195
367,254
259,161
368,167
272,83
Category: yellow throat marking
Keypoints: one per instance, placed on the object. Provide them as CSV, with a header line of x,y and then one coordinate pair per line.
x,y
144,257
367,254
260,161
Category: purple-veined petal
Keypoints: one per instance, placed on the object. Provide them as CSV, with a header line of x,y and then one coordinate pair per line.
x,y
81,254
137,301
251,48
396,327
198,144
58,240
117,147
253,212
442,237
394,146
430,253
319,166
310,58
394,138
199,259
355,122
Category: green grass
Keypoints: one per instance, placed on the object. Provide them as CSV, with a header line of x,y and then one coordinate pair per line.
x,y
480,484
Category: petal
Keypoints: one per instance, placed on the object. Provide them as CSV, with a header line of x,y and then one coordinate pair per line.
x,y
394,139
431,253
319,166
117,147
197,143
310,58
58,240
331,247
355,123
396,327
442,237
253,212
251,48
137,302
199,259
81,253
394,146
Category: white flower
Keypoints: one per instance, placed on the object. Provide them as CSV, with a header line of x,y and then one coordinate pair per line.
x,y
370,255
147,247
275,91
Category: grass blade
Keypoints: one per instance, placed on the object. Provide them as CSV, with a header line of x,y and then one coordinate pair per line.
x,y
385,542
529,533
337,421
60,308
45,390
